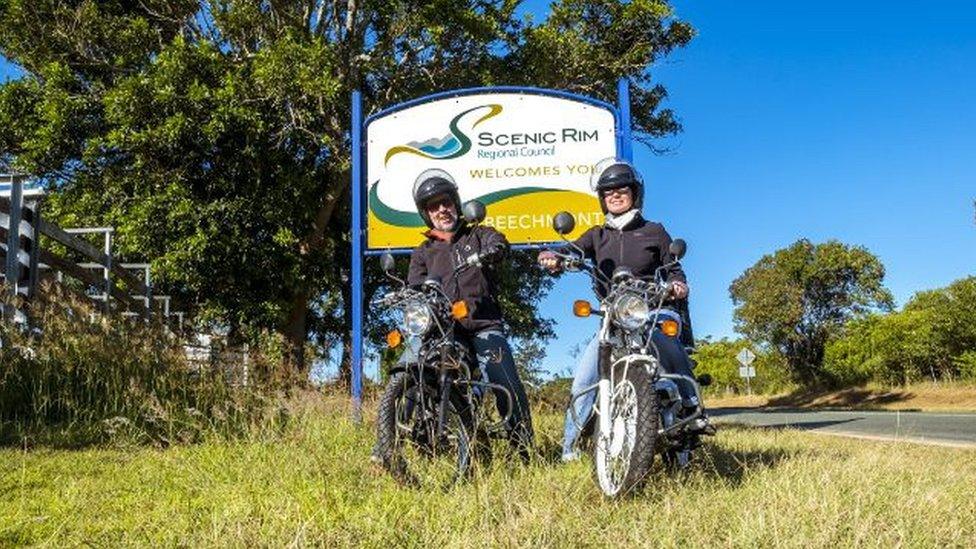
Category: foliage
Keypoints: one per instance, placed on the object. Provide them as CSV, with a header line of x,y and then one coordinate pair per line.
x,y
953,314
966,364
91,378
796,298
214,134
896,348
933,337
528,355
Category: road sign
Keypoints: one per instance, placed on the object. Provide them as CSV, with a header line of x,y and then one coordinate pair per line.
x,y
745,357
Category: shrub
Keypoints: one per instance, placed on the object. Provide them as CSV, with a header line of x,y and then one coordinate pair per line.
x,y
966,364
88,378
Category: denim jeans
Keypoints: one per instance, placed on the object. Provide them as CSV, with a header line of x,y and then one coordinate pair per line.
x,y
674,360
495,359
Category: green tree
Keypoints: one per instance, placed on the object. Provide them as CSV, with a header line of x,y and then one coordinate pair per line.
x,y
895,348
930,338
528,354
796,298
953,316
214,134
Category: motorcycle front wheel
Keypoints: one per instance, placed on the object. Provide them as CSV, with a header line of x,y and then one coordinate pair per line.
x,y
408,442
622,457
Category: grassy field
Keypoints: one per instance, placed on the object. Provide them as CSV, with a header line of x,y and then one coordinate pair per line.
x,y
314,486
929,397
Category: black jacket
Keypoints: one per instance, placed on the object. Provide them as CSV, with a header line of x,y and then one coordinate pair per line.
x,y
641,245
438,258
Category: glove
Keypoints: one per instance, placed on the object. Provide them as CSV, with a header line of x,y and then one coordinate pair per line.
x,y
549,260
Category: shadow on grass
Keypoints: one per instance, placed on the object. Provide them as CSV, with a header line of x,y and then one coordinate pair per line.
x,y
712,460
735,465
855,397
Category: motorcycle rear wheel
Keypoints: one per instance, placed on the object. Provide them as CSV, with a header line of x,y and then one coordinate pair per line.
x,y
407,442
623,458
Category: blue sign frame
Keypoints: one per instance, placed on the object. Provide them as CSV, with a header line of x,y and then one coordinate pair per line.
x,y
622,123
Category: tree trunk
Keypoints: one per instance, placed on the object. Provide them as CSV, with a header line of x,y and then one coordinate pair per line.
x,y
345,367
343,266
295,333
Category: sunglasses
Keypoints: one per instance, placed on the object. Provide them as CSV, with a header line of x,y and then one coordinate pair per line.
x,y
621,191
437,203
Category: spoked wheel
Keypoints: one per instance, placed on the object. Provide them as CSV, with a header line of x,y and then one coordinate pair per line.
x,y
623,457
408,441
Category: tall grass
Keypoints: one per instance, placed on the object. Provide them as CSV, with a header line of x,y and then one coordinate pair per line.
x,y
87,378
314,486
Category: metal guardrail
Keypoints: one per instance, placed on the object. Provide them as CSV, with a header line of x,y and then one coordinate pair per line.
x,y
21,228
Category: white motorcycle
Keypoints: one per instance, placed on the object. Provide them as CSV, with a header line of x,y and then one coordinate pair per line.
x,y
639,411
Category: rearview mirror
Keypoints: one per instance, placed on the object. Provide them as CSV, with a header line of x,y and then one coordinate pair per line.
x,y
473,211
387,262
563,223
678,248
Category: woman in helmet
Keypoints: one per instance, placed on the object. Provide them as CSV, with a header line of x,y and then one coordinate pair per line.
x,y
449,242
626,239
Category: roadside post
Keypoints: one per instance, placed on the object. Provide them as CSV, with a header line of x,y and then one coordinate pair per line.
x,y
746,370
519,150
20,216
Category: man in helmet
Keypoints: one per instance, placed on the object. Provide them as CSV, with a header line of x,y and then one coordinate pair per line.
x,y
450,242
626,239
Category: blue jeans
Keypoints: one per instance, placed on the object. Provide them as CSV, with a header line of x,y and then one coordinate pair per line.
x,y
495,360
673,359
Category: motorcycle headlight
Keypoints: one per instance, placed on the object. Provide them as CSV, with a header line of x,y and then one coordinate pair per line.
x,y
630,311
416,319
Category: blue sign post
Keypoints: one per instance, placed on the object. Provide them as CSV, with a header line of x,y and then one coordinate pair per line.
x,y
356,275
622,123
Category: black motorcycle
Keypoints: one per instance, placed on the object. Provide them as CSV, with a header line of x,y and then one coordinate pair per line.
x,y
433,409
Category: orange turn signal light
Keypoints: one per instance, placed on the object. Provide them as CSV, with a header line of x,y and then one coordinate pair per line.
x,y
670,328
394,339
582,308
459,310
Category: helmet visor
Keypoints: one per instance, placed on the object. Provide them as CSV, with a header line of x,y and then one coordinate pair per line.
x,y
603,174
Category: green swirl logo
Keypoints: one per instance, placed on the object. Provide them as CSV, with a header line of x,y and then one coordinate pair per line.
x,y
452,145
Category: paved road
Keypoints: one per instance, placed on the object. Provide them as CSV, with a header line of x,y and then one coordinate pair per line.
x,y
955,429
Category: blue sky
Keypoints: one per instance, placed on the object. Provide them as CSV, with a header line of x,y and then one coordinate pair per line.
x,y
823,120
826,120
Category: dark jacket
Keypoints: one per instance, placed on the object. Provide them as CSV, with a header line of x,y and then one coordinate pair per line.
x,y
641,245
475,285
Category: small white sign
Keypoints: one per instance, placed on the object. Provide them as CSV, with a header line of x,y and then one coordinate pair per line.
x,y
745,357
747,371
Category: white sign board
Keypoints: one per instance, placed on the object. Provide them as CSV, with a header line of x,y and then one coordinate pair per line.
x,y
745,357
526,156
747,371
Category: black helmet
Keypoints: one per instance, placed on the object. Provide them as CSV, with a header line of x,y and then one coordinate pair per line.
x,y
614,173
431,183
